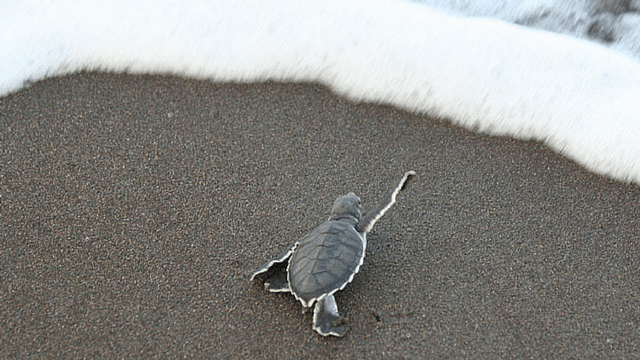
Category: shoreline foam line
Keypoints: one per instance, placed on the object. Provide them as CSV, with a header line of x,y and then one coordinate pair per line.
x,y
579,98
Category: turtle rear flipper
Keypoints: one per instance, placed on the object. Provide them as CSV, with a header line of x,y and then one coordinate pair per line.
x,y
370,218
326,320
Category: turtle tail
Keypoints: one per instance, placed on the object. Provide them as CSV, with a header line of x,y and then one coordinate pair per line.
x,y
370,218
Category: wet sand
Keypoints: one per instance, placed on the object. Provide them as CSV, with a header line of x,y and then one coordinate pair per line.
x,y
133,210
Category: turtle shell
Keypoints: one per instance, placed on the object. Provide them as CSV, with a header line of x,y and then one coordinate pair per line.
x,y
325,261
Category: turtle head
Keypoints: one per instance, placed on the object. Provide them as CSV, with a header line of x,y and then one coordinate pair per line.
x,y
346,207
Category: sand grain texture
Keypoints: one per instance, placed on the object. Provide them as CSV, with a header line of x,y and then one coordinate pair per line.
x,y
134,208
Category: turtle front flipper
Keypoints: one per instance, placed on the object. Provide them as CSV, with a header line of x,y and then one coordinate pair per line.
x,y
370,218
326,320
277,280
283,260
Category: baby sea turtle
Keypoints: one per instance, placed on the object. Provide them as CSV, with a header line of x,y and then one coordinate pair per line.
x,y
327,259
